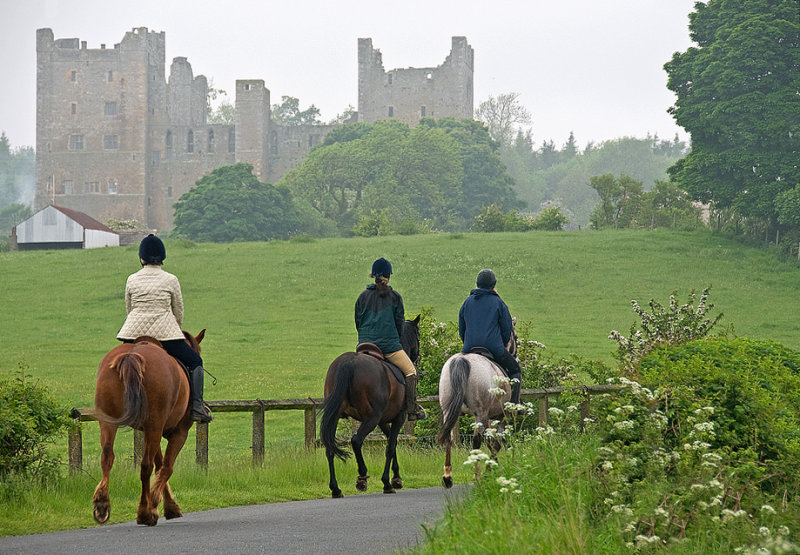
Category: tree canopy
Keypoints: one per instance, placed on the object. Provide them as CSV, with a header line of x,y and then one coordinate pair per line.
x,y
441,172
737,95
231,204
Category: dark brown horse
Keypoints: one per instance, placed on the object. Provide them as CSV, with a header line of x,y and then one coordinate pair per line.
x,y
141,386
362,387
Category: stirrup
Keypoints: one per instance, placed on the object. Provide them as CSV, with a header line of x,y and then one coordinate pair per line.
x,y
202,416
418,414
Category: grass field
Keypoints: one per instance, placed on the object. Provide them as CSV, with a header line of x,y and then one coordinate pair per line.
x,y
277,313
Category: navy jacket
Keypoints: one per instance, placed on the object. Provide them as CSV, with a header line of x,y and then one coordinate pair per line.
x,y
379,319
484,321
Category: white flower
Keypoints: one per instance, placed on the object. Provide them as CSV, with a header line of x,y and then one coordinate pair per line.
x,y
555,411
767,508
624,425
607,465
764,531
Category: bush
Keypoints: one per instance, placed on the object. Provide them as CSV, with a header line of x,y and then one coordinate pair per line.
x,y
30,419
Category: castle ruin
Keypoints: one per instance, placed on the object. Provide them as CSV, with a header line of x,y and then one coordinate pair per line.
x,y
118,139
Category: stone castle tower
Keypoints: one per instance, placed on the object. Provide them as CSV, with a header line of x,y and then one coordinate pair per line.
x,y
117,138
414,93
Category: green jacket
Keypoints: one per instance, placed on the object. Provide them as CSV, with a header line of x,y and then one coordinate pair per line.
x,y
379,319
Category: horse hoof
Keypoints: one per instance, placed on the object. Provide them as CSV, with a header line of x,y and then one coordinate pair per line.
x,y
447,481
337,494
389,490
397,483
172,514
147,520
361,483
101,513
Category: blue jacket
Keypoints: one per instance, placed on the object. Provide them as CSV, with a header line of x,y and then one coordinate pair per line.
x,y
484,321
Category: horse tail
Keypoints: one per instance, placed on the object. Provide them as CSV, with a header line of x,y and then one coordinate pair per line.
x,y
130,367
459,376
331,408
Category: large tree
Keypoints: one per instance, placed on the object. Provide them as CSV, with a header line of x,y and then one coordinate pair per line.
x,y
737,96
231,204
503,116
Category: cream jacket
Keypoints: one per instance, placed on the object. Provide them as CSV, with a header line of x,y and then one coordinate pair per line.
x,y
155,305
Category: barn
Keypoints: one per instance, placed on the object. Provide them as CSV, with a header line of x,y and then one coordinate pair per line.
x,y
56,227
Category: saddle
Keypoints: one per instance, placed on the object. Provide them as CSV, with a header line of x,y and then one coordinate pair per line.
x,y
157,343
484,352
373,350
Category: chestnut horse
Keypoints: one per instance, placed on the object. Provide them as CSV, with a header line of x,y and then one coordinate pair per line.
x,y
141,386
362,387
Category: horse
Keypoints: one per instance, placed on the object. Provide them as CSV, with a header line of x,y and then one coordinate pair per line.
x,y
141,386
464,386
362,387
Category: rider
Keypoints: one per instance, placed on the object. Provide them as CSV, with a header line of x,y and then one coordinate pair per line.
x,y
154,305
379,319
484,321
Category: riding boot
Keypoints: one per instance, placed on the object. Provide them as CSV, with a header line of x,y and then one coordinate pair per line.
x,y
200,412
413,410
515,391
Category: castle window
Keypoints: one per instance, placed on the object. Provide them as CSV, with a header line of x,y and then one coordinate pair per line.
x,y
69,186
169,192
112,186
231,141
155,157
73,76
168,144
247,86
73,109
92,186
111,109
76,142
429,76
211,146
190,141
390,76
391,111
422,111
310,141
110,76
273,142
111,142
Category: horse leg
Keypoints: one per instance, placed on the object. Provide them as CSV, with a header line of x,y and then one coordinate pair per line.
x,y
146,513
100,499
494,443
391,456
336,493
356,442
447,478
161,487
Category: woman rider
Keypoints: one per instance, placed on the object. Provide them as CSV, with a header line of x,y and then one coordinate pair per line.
x,y
154,305
379,319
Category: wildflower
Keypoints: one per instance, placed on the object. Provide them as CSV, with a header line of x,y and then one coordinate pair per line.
x,y
497,391
714,483
660,511
764,531
699,487
783,531
622,509
607,465
624,425
555,411
767,508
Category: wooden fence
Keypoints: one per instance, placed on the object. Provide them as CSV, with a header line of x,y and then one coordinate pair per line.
x,y
309,406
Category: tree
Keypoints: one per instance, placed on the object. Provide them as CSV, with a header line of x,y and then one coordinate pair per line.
x,y
231,204
288,113
737,97
17,173
348,116
619,201
503,116
225,112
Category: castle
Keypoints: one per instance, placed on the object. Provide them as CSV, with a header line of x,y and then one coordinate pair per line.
x,y
118,139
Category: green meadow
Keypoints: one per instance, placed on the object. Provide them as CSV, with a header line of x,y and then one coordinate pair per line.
x,y
277,313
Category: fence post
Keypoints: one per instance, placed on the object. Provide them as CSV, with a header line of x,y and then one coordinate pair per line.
x,y
258,436
201,444
138,447
585,411
75,440
311,426
544,405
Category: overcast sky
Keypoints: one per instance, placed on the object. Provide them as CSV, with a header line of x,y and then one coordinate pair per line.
x,y
588,66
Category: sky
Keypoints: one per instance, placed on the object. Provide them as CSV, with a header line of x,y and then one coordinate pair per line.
x,y
583,66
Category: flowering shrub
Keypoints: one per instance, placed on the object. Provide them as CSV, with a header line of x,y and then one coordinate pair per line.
x,y
669,325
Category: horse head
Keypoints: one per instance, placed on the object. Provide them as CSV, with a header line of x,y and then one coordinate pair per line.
x,y
409,339
194,340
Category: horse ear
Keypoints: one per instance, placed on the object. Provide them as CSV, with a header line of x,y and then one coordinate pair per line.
x,y
201,335
416,320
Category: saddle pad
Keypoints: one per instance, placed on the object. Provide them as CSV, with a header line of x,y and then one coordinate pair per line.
x,y
396,371
487,354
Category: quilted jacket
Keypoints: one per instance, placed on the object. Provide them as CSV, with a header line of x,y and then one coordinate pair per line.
x,y
155,305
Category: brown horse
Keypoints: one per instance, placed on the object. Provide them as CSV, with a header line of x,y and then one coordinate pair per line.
x,y
362,387
141,386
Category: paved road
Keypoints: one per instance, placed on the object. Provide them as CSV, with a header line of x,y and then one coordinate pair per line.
x,y
363,524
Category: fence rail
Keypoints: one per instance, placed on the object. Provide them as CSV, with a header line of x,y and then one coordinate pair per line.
x,y
259,408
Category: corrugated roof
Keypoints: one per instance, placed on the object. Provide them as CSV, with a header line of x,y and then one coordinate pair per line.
x,y
85,220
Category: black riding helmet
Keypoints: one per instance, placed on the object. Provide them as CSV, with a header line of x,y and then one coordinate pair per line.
x,y
381,267
152,250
